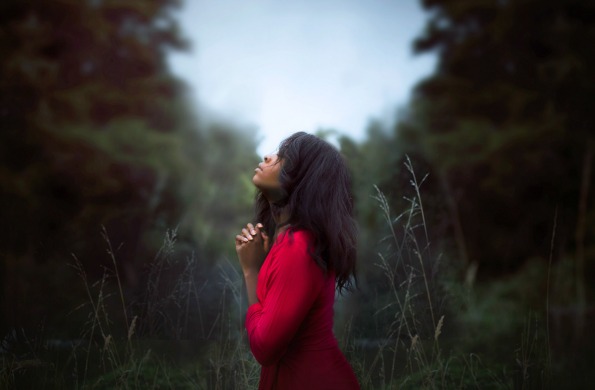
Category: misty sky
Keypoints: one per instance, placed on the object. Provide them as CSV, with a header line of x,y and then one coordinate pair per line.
x,y
280,66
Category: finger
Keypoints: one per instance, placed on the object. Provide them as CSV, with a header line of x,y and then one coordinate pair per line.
x,y
247,234
258,234
241,239
263,234
260,229
251,228
266,244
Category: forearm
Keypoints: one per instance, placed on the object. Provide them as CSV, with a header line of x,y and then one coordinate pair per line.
x,y
251,279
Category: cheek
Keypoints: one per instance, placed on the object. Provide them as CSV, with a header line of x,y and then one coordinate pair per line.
x,y
272,179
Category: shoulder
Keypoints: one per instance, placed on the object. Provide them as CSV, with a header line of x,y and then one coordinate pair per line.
x,y
292,256
291,245
295,239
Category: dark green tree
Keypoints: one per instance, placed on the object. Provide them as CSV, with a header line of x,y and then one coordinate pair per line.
x,y
96,131
506,123
91,134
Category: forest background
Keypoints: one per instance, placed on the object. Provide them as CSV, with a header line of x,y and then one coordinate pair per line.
x,y
119,207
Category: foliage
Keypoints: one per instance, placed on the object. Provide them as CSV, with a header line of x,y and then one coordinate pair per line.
x,y
478,280
505,121
170,342
97,134
431,332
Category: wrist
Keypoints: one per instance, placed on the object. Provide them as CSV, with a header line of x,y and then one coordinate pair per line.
x,y
250,273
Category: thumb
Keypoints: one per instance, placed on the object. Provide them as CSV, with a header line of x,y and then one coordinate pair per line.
x,y
265,236
266,240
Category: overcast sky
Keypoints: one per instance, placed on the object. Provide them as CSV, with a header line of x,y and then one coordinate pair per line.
x,y
280,66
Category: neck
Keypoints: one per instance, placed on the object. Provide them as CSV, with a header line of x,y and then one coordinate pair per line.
x,y
281,219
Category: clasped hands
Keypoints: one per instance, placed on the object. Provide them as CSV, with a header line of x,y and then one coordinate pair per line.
x,y
252,246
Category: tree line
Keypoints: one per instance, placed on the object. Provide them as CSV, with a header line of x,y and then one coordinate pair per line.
x,y
99,136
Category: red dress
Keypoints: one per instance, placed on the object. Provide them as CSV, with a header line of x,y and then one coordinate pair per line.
x,y
290,329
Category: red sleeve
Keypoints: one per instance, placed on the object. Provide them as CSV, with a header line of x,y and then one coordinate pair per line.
x,y
293,281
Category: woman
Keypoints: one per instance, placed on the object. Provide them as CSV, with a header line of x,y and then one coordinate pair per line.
x,y
305,210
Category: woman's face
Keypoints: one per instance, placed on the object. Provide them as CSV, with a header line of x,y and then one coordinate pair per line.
x,y
266,177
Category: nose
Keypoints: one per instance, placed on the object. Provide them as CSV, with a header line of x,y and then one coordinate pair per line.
x,y
267,158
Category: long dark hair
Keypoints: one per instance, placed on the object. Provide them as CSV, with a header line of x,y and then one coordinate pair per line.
x,y
318,199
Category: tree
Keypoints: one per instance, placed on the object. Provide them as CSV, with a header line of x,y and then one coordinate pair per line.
x,y
505,120
96,131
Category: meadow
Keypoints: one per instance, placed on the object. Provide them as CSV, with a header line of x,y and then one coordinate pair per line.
x,y
419,329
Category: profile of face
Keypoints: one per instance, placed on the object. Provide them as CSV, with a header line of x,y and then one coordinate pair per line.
x,y
266,177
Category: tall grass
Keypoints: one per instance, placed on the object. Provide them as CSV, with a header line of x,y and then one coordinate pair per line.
x,y
159,338
409,355
433,326
418,328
